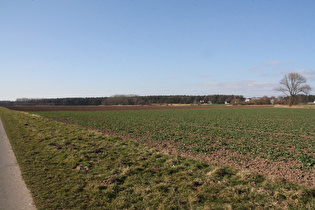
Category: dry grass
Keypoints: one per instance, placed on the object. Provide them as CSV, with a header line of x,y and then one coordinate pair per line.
x,y
309,106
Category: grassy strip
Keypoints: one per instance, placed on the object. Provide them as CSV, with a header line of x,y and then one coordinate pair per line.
x,y
67,167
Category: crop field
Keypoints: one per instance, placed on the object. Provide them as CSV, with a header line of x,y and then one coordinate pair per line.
x,y
174,158
271,141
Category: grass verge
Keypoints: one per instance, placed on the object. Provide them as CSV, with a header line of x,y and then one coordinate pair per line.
x,y
67,167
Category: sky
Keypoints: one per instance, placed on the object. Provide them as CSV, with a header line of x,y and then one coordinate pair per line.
x,y
99,48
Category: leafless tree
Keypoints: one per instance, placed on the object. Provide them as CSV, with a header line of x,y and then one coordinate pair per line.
x,y
291,85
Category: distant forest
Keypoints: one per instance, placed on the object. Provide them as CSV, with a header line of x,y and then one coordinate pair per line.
x,y
147,100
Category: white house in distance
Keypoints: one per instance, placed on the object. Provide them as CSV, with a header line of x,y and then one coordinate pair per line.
x,y
247,100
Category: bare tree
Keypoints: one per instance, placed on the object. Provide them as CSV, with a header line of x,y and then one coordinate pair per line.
x,y
292,85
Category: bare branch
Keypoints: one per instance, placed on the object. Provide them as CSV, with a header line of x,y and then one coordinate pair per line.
x,y
291,85
306,89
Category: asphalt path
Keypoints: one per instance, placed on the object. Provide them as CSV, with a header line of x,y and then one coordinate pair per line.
x,y
13,191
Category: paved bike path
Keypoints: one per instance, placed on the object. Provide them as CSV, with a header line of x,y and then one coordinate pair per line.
x,y
13,192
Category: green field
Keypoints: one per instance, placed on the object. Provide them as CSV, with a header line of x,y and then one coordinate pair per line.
x,y
81,167
273,134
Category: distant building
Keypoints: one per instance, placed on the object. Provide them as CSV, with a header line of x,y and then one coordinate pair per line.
x,y
204,102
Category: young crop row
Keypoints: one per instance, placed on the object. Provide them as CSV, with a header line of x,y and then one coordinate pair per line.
x,y
273,134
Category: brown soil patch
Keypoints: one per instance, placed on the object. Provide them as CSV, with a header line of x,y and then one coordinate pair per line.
x,y
82,168
109,181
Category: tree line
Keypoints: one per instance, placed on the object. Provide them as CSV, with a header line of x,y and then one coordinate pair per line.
x,y
123,100
292,85
153,100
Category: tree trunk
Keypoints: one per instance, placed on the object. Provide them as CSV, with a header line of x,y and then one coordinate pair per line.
x,y
291,100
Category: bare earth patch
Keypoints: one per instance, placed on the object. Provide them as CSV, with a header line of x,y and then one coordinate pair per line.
x,y
82,168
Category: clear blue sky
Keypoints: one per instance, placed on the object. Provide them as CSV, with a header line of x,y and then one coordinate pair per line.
x,y
81,48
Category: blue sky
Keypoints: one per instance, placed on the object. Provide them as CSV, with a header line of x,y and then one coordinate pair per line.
x,y
80,48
